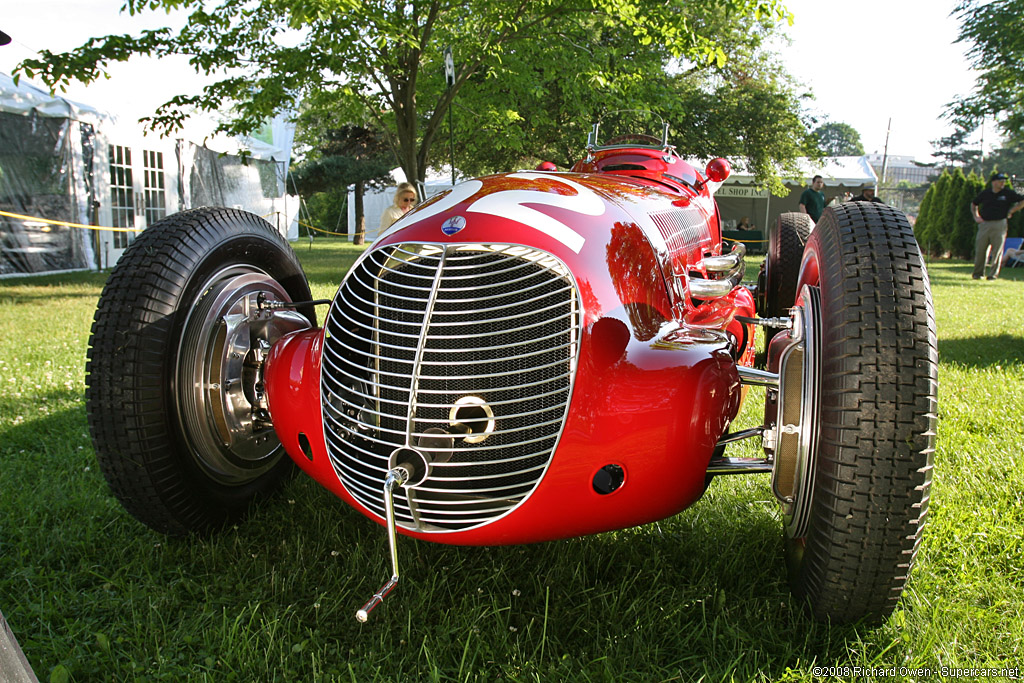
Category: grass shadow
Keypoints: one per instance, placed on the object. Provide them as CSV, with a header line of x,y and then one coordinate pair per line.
x,y
983,351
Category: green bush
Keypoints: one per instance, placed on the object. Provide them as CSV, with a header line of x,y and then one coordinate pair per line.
x,y
922,226
962,238
326,211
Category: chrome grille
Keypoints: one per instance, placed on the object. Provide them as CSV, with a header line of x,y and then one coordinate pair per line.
x,y
418,330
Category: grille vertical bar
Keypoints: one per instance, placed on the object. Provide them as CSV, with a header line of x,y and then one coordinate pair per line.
x,y
414,329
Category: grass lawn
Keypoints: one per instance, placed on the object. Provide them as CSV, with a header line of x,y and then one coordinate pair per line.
x,y
92,595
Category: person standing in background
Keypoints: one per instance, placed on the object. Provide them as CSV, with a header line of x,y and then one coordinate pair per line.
x,y
991,208
405,199
812,201
866,195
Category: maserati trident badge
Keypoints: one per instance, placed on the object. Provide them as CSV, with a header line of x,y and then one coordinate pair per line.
x,y
453,225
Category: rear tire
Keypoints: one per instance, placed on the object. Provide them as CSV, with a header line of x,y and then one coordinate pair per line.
x,y
877,393
162,337
786,240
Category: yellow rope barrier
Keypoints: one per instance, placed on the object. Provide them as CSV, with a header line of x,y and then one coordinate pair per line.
x,y
310,227
66,223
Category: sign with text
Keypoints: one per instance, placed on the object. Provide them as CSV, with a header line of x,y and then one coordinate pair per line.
x,y
746,191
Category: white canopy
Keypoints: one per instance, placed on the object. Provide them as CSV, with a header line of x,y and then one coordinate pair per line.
x,y
274,142
836,171
24,98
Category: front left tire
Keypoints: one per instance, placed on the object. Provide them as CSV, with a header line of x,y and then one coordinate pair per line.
x,y
173,379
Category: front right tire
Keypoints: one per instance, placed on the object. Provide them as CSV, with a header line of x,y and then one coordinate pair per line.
x,y
853,532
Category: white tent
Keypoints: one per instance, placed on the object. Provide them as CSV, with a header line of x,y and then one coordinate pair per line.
x,y
25,98
739,196
64,162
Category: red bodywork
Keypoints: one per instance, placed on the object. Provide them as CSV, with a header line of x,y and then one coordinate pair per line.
x,y
656,383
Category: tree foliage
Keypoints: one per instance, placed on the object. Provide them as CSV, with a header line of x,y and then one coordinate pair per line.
x,y
930,221
838,140
922,226
994,30
945,224
960,242
1008,158
342,155
381,60
953,148
541,101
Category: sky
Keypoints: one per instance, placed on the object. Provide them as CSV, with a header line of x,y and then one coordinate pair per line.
x,y
879,59
865,62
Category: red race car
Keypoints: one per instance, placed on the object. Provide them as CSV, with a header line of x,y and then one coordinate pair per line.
x,y
533,356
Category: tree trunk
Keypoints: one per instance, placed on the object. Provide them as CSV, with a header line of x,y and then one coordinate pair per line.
x,y
360,236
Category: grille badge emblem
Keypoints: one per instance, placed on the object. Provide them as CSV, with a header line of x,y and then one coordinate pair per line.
x,y
453,225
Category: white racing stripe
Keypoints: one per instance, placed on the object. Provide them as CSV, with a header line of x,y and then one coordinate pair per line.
x,y
511,204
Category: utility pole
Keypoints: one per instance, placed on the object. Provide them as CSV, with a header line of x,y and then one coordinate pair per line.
x,y
885,153
449,77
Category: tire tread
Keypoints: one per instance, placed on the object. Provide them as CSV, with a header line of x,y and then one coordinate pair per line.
x,y
878,414
128,403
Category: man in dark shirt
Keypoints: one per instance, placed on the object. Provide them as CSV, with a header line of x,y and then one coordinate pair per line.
x,y
812,201
867,195
991,208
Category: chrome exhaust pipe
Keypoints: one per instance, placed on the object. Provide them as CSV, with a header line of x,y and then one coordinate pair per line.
x,y
729,268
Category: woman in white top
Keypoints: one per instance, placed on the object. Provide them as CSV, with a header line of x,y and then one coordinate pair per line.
x,y
405,199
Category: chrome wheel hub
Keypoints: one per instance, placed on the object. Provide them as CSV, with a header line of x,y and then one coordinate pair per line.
x,y
221,400
794,475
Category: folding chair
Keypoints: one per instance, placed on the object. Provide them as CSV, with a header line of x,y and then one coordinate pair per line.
x,y
1014,243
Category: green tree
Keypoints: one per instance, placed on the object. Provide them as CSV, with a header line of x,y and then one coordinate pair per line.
x,y
532,107
933,214
838,140
994,31
382,59
1008,157
953,148
961,241
345,155
950,203
327,211
923,224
